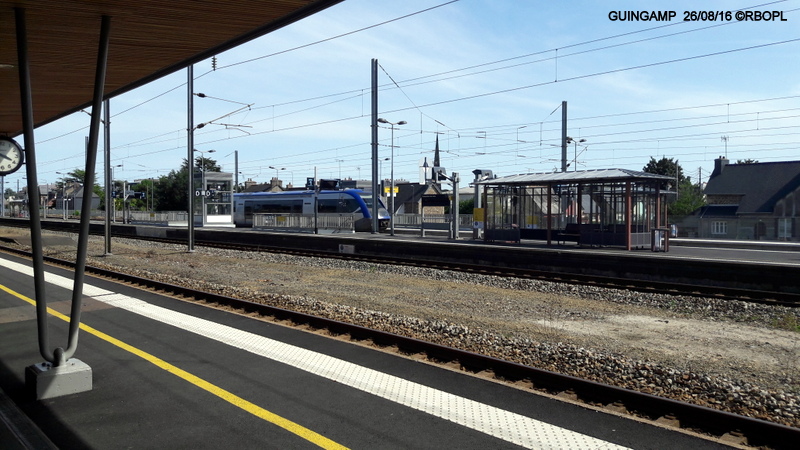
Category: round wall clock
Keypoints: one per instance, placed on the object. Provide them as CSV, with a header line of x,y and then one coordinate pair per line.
x,y
11,156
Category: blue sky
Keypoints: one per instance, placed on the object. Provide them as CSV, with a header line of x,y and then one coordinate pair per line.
x,y
485,76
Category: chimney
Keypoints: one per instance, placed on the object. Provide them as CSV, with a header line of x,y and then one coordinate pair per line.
x,y
719,166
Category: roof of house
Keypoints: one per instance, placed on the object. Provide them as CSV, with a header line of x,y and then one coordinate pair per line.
x,y
760,185
709,211
262,187
413,192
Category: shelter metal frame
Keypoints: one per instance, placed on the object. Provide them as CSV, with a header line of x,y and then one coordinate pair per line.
x,y
609,207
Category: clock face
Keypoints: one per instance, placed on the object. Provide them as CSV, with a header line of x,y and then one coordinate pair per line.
x,y
11,156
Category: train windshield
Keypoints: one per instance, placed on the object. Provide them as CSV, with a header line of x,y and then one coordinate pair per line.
x,y
368,200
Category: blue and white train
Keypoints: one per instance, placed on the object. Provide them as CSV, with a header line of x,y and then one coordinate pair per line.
x,y
348,201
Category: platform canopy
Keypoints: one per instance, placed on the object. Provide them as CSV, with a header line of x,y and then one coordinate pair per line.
x,y
148,39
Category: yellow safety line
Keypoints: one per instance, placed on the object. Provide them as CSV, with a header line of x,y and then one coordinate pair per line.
x,y
235,400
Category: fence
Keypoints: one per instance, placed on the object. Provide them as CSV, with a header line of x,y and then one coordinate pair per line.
x,y
150,217
306,223
432,221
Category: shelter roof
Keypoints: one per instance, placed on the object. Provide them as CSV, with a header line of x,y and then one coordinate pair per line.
x,y
581,176
148,39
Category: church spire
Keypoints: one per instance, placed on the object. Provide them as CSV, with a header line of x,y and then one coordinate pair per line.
x,y
436,153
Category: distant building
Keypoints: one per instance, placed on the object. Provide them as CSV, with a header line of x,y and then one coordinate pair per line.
x,y
749,201
275,185
410,196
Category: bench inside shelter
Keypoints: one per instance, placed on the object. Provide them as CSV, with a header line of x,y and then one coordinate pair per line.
x,y
571,232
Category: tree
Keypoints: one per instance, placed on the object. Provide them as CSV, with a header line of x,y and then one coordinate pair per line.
x,y
466,206
690,196
665,166
79,176
746,161
172,189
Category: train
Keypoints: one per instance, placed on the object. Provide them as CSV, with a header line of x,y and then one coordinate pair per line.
x,y
329,203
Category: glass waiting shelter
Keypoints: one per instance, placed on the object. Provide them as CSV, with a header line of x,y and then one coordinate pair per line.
x,y
606,207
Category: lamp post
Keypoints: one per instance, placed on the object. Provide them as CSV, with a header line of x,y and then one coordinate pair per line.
x,y
113,204
391,181
576,142
63,197
277,177
517,143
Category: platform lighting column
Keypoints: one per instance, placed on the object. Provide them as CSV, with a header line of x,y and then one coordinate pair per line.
x,y
190,155
564,136
391,175
576,142
277,172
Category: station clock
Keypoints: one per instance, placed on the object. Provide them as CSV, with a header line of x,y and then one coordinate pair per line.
x,y
11,156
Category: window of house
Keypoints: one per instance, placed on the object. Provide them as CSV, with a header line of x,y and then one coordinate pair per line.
x,y
719,227
784,228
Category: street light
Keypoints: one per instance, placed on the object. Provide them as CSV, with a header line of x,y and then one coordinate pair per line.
x,y
276,172
391,181
113,206
63,197
576,142
202,155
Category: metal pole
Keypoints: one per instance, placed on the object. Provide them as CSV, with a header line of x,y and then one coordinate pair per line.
x,y
455,205
564,136
375,196
391,186
190,154
108,180
316,202
3,190
30,169
476,202
86,207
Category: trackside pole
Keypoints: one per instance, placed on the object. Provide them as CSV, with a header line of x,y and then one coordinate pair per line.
x,y
456,219
374,128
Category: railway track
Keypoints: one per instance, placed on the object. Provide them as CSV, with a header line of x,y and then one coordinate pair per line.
x,y
719,291
711,422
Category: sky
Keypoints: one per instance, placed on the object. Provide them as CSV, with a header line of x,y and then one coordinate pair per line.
x,y
487,78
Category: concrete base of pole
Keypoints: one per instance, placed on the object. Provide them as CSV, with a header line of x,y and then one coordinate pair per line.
x,y
48,381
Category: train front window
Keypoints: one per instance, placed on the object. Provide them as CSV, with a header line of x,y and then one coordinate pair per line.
x,y
368,201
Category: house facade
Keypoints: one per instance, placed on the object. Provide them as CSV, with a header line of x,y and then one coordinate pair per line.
x,y
758,201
